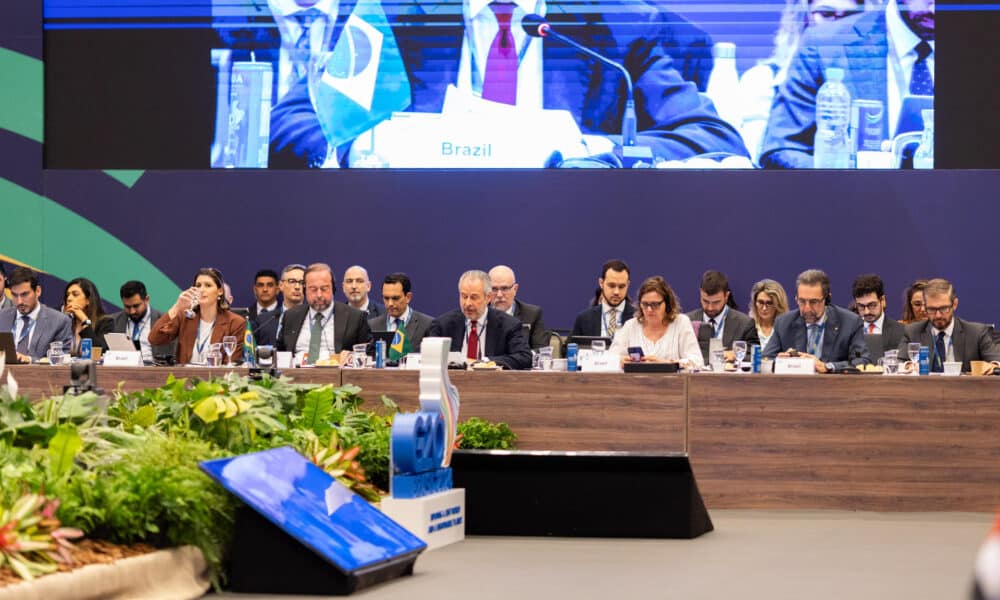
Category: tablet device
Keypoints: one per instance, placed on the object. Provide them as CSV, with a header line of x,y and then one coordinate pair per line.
x,y
586,341
386,336
119,342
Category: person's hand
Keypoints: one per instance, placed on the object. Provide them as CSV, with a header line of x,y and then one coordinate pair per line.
x,y
346,357
24,359
185,300
653,359
729,356
76,312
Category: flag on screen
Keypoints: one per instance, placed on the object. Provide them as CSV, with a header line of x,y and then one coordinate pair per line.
x,y
400,346
987,582
249,346
365,80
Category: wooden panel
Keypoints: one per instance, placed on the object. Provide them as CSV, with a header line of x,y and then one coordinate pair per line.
x,y
558,411
862,443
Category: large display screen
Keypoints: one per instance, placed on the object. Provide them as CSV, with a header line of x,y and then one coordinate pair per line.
x,y
777,84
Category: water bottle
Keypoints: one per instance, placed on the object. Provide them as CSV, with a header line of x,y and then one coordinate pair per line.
x,y
755,357
832,146
724,84
924,156
86,348
925,360
572,353
379,354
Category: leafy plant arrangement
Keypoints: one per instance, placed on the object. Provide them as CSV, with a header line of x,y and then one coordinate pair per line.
x,y
479,434
31,538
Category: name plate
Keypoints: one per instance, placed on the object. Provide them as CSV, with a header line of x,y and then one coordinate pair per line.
x,y
121,358
599,362
794,366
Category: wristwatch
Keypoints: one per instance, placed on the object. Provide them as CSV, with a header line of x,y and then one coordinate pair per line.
x,y
87,323
830,367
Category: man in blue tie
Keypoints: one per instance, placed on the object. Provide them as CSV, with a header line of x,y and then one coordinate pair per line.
x,y
947,337
33,324
397,295
135,320
830,335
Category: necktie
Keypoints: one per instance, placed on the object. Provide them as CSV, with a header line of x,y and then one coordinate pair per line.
x,y
871,328
472,351
813,344
315,338
612,324
940,354
22,342
136,330
711,324
301,52
500,81
399,323
921,82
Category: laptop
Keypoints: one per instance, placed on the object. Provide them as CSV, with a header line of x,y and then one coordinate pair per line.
x,y
119,342
386,336
586,341
7,347
874,341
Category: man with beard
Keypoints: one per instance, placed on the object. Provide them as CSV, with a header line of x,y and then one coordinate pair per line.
x,y
886,56
832,336
134,321
868,292
33,324
718,316
611,305
948,337
322,327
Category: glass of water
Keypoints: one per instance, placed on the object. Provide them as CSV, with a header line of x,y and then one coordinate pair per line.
x,y
229,346
913,350
717,360
740,350
55,353
545,358
213,357
359,355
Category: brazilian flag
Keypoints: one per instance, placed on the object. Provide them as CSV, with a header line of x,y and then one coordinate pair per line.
x,y
400,345
249,346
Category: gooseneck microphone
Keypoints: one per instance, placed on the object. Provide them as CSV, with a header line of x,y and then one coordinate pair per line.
x,y
536,26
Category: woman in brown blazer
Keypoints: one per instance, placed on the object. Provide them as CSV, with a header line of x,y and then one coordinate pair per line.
x,y
200,318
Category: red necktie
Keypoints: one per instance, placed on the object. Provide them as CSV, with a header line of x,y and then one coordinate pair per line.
x,y
500,81
473,347
871,328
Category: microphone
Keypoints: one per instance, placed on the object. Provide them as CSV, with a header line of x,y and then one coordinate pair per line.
x,y
536,26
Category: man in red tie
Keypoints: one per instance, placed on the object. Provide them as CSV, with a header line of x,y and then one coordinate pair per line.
x,y
480,332
868,292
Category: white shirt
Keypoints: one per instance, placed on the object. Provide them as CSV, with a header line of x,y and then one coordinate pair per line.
x,y
261,309
285,15
481,330
878,325
480,29
720,321
901,57
605,317
202,342
326,345
677,343
390,322
143,326
822,332
19,324
949,347
764,339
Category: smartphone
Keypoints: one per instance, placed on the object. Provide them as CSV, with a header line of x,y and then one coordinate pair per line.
x,y
635,353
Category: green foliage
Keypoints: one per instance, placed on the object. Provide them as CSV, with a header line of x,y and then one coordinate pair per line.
x,y
31,539
480,434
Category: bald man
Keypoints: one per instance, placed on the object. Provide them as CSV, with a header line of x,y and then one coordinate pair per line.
x,y
356,288
505,299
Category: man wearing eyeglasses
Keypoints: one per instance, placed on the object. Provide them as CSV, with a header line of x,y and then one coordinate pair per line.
x,y
505,299
948,337
832,336
291,286
868,292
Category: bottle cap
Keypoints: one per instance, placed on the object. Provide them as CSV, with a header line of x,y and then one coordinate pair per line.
x,y
724,50
834,74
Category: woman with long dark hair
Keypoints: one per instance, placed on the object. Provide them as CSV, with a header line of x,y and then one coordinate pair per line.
x,y
82,302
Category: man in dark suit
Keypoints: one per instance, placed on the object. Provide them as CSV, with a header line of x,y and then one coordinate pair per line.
x,y
397,294
5,302
322,327
480,332
135,320
868,292
948,337
357,286
34,325
861,46
612,306
505,299
673,118
265,314
832,336
718,316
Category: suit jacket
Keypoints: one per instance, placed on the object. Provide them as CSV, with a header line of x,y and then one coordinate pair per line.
x,y
532,315
265,331
843,339
349,327
185,331
415,330
589,321
5,302
50,326
505,342
118,323
970,341
673,118
374,309
859,45
738,326
892,334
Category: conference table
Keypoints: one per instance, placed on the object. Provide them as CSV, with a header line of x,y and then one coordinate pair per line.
x,y
861,442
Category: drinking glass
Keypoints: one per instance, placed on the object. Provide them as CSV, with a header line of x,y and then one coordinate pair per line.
x,y
913,350
56,353
740,350
545,358
213,357
717,360
195,298
890,364
359,355
229,346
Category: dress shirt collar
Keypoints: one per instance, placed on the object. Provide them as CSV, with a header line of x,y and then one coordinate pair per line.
x,y
364,307
261,309
947,330
34,313
605,307
287,8
901,37
720,319
327,315
474,7
480,322
406,316
510,311
880,323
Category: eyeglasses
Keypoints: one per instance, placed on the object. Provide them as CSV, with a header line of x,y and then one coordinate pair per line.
x,y
764,303
651,305
294,281
810,301
870,306
831,14
503,289
942,310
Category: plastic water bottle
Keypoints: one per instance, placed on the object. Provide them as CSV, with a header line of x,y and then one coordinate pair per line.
x,y
925,360
572,353
924,156
832,145
724,84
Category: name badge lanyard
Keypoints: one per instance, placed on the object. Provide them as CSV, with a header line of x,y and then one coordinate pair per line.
x,y
720,323
814,340
26,330
200,344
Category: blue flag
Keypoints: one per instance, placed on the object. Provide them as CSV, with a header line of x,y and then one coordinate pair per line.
x,y
365,80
